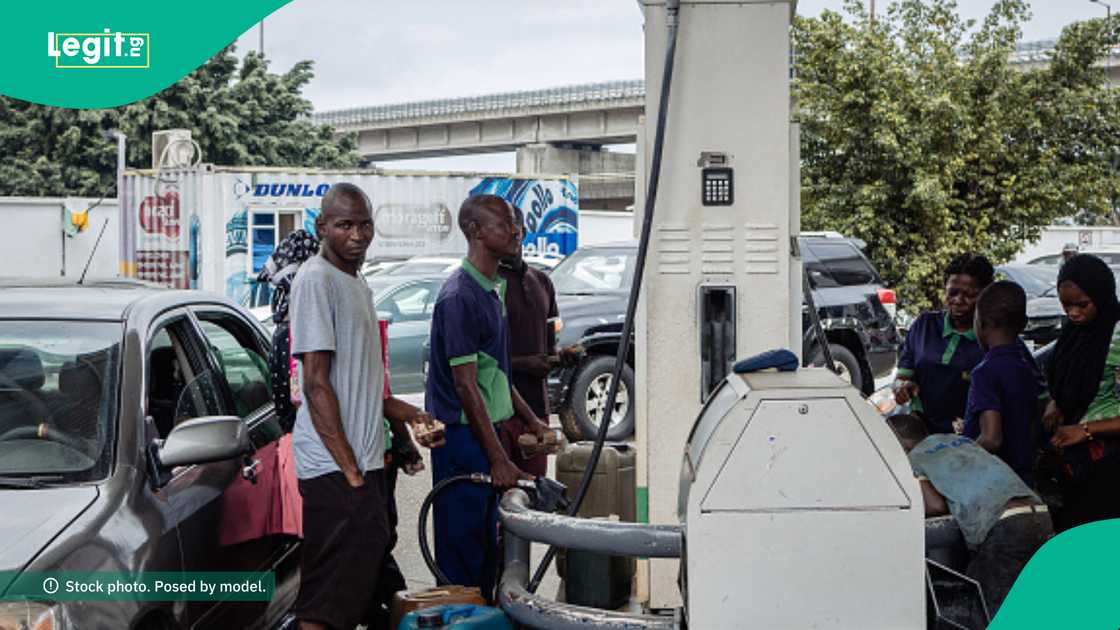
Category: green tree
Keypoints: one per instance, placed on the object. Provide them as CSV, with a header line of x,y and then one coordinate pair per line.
x,y
920,136
239,113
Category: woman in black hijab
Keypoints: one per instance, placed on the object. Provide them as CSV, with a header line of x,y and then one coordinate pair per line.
x,y
1083,378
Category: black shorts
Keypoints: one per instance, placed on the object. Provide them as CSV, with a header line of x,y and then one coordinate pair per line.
x,y
345,538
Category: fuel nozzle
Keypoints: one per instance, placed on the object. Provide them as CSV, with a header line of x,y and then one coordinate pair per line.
x,y
547,495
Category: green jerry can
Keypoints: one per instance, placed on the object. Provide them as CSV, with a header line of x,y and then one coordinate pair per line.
x,y
592,579
457,617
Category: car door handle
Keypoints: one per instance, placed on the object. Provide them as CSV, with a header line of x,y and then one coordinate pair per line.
x,y
249,470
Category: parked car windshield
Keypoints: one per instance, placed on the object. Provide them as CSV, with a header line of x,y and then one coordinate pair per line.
x,y
595,271
58,398
1037,281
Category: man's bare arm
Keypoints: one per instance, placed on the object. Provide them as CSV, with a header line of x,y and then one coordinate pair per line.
x,y
401,415
934,500
326,416
522,409
504,473
991,431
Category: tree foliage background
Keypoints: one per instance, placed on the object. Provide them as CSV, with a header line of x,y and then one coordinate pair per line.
x,y
239,113
918,134
920,137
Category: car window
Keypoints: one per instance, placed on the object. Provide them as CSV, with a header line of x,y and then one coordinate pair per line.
x,y
1053,259
409,303
819,277
178,390
241,360
844,262
200,397
594,271
58,379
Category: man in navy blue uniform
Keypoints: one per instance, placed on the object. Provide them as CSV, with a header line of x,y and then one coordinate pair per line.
x,y
469,389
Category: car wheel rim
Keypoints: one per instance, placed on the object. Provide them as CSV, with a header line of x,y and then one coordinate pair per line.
x,y
596,400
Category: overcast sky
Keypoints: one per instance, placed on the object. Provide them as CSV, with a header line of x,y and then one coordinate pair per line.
x,y
376,52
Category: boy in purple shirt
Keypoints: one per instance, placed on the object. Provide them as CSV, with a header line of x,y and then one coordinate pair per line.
x,y
1005,386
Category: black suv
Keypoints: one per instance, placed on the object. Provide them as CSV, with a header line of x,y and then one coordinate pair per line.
x,y
592,286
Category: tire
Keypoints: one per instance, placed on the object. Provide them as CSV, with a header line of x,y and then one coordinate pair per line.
x,y
589,394
850,368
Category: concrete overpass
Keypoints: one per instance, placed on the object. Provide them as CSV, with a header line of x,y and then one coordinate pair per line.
x,y
1036,54
554,130
588,115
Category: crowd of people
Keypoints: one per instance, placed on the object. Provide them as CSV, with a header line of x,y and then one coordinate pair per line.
x,y
489,357
1014,450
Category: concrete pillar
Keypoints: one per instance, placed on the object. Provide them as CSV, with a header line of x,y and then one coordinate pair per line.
x,y
606,178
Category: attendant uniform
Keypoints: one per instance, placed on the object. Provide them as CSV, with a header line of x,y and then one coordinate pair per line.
x,y
940,359
468,326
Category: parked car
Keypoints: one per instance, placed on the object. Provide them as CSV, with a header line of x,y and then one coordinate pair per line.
x,y
381,265
1110,255
408,308
1044,311
593,284
126,416
545,263
414,269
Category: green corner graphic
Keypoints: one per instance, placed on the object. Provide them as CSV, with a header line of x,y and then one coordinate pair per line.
x,y
91,55
1069,583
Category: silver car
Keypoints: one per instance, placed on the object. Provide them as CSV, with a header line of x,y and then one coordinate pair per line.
x,y
133,423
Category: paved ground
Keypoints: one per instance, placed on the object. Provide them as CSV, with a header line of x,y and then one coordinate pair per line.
x,y
410,495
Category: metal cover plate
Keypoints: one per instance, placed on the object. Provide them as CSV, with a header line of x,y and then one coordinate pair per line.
x,y
808,454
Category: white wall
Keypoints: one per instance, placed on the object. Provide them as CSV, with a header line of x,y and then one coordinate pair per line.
x,y
605,226
34,244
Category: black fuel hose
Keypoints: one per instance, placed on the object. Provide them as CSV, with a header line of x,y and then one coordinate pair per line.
x,y
422,526
673,16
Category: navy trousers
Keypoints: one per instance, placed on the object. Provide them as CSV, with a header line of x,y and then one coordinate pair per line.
x,y
465,515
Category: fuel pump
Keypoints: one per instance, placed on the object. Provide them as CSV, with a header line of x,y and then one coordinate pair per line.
x,y
776,497
722,280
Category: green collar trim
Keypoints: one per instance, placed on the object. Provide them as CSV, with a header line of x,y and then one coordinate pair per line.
x,y
950,331
497,285
486,283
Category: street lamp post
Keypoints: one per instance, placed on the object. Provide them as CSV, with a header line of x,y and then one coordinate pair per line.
x,y
1108,53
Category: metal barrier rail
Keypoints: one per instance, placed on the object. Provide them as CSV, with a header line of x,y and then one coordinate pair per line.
x,y
616,538
521,525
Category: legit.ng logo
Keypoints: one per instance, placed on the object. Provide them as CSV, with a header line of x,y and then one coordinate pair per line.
x,y
106,50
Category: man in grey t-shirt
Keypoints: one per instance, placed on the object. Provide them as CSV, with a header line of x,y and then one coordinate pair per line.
x,y
338,440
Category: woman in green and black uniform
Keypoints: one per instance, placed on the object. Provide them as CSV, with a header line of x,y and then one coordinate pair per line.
x,y
1083,378
941,348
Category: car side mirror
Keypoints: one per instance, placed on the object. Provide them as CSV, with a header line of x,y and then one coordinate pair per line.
x,y
385,315
198,441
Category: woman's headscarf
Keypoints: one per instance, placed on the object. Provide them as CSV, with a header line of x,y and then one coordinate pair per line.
x,y
1077,367
280,268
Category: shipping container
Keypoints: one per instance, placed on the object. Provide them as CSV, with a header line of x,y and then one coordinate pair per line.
x,y
213,227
